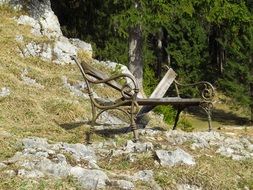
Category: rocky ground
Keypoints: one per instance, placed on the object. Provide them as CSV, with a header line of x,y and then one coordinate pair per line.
x,y
163,159
39,158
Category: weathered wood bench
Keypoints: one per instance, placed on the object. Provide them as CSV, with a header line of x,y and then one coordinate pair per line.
x,y
129,96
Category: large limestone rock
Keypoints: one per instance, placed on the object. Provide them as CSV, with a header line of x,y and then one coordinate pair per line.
x,y
44,22
41,17
171,158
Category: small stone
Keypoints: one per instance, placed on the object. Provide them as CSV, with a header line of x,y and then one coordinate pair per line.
x,y
93,165
145,175
61,158
107,118
250,147
19,38
131,157
187,187
29,81
62,51
10,173
35,142
81,44
123,184
5,91
138,146
30,174
237,157
80,151
74,89
90,179
42,154
60,169
2,165
225,151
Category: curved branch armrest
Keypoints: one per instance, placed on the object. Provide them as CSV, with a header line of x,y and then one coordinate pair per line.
x,y
126,90
207,92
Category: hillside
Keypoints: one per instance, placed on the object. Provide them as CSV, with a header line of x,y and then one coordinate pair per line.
x,y
44,113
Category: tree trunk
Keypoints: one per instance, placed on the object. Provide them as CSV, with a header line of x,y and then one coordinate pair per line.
x,y
251,89
251,106
135,55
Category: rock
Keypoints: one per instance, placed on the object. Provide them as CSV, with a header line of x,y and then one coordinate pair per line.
x,y
10,173
90,179
61,169
42,50
41,18
229,146
50,25
122,184
107,118
138,146
44,22
81,45
187,187
80,151
149,132
250,147
144,175
171,158
30,174
75,89
225,151
29,81
199,139
19,38
5,91
61,158
62,51
41,159
13,3
40,147
2,165
35,25
35,142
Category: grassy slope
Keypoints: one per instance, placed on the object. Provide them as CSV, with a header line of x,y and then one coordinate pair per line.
x,y
30,111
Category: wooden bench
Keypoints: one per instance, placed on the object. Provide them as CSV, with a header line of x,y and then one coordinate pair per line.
x,y
129,96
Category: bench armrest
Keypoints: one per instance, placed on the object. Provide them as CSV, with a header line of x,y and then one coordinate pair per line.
x,y
207,90
128,91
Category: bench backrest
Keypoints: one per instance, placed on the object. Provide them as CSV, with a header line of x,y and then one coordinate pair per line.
x,y
87,69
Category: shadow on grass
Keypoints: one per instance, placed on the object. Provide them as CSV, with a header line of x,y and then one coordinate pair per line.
x,y
73,125
221,116
108,130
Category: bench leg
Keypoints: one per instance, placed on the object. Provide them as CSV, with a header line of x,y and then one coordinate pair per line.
x,y
209,118
208,109
209,122
179,110
89,133
135,132
133,123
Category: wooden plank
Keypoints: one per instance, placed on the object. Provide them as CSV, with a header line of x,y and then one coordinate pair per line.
x,y
159,91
